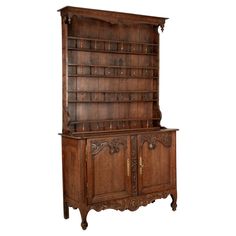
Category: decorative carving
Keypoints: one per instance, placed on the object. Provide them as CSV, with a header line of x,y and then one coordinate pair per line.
x,y
117,21
131,204
161,25
134,164
114,145
164,138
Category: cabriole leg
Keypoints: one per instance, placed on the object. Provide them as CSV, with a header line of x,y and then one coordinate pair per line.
x,y
174,201
84,223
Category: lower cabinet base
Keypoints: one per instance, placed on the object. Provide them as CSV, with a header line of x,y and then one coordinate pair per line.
x,y
119,171
131,203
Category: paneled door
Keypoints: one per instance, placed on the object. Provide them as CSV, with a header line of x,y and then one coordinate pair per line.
x,y
108,168
156,162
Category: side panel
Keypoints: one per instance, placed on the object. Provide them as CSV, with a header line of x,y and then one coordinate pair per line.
x,y
73,161
157,163
108,168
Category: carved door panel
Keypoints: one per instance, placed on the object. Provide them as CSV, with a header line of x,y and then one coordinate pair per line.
x,y
156,162
108,168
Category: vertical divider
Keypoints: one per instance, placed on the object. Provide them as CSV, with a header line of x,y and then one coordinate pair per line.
x,y
156,108
65,105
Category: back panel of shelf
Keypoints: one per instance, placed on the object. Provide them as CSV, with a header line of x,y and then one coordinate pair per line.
x,y
112,76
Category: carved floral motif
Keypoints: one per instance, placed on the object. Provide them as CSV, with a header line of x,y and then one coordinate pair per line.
x,y
131,204
113,145
164,138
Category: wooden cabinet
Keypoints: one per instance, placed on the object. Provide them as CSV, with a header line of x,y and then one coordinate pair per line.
x,y
115,153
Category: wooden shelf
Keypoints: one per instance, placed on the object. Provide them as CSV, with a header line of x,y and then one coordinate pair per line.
x,y
115,101
110,51
113,120
112,124
112,46
115,131
115,77
111,41
112,71
115,66
111,91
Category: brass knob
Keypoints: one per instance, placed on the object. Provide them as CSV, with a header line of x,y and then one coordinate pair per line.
x,y
151,146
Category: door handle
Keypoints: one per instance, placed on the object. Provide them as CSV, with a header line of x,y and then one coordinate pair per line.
x,y
128,167
141,165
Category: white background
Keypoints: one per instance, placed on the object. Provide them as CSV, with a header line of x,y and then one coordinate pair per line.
x,y
198,73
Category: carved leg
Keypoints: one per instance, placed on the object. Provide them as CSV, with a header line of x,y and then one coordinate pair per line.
x,y
66,210
174,200
84,213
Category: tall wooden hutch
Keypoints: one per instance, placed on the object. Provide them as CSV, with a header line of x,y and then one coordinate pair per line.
x,y
115,153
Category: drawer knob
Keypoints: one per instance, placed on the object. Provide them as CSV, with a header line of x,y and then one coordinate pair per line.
x,y
151,145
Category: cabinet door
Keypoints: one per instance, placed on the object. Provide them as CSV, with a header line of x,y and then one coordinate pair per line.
x,y
156,162
108,168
